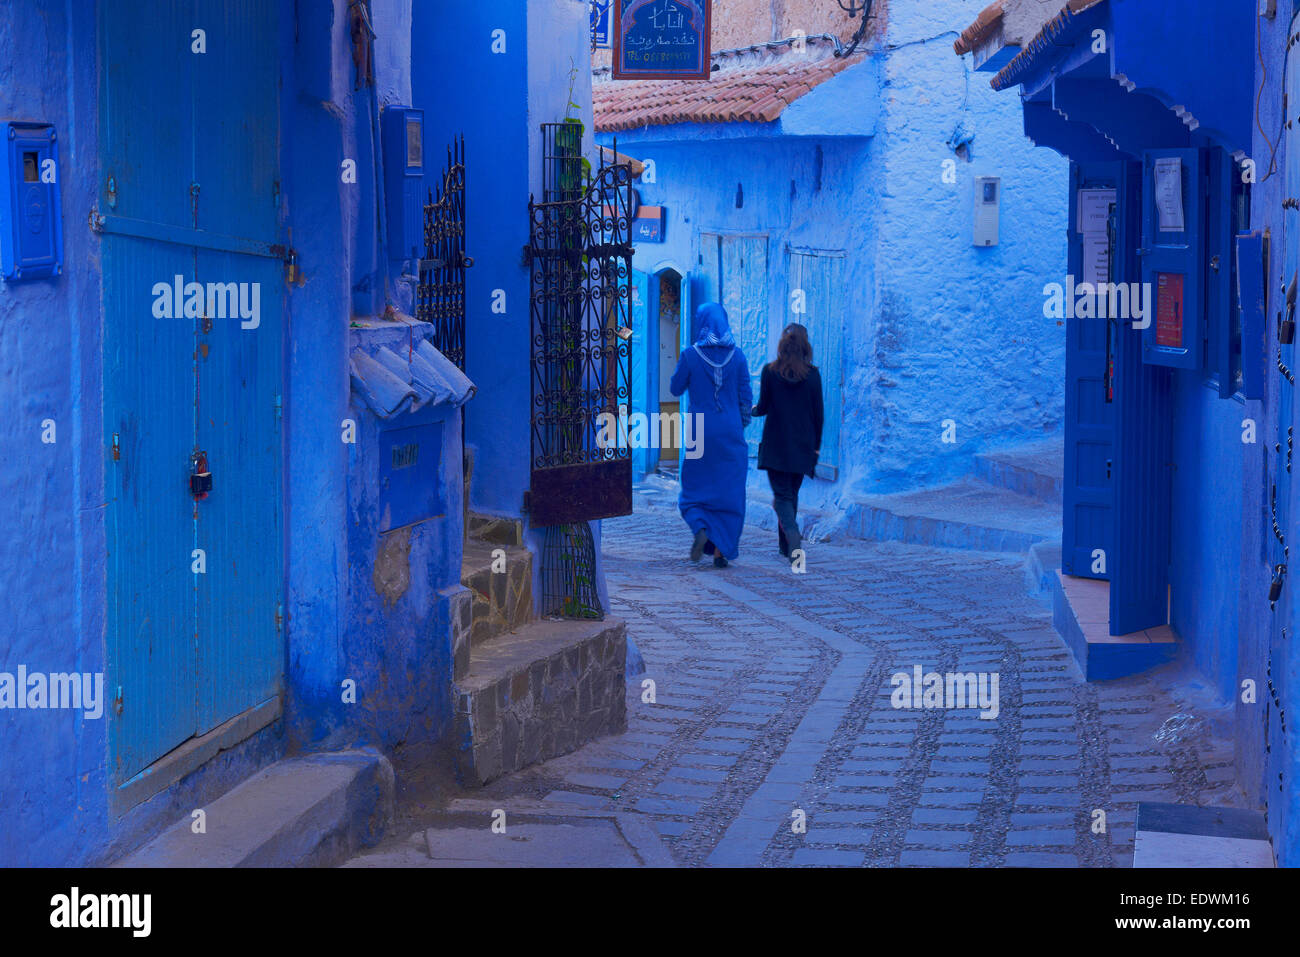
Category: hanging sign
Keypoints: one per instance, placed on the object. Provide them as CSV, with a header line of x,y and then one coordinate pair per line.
x,y
600,24
661,39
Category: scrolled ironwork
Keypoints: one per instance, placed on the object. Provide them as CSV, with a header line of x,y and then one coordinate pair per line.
x,y
440,295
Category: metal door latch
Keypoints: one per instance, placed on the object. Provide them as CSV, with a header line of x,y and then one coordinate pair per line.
x,y
1275,587
200,477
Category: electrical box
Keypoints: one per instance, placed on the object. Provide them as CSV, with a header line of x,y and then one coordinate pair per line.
x,y
31,221
988,197
402,132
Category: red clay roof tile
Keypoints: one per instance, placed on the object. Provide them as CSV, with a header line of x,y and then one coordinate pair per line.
x,y
747,94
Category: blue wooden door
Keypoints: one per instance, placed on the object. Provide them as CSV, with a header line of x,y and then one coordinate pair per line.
x,y
1139,564
743,287
190,153
1087,527
816,300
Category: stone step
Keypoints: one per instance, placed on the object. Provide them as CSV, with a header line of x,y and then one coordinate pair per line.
x,y
967,514
498,531
1081,615
500,580
538,692
1184,835
1036,469
317,811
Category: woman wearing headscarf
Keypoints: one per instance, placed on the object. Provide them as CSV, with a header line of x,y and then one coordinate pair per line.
x,y
714,374
790,396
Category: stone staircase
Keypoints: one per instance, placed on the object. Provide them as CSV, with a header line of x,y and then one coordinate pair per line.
x,y
528,689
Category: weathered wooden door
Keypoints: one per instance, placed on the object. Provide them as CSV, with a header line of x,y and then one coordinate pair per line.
x,y
816,300
193,293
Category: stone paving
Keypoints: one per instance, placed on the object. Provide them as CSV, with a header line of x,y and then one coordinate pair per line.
x,y
772,696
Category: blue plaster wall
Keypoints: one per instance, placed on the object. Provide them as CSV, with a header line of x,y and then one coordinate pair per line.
x,y
320,123
960,330
54,805
1263,752
51,496
452,43
1204,535
399,652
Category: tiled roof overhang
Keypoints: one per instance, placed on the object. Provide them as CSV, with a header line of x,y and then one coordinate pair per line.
x,y
1045,42
979,32
739,94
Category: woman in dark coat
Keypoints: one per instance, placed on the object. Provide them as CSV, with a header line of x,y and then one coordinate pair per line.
x,y
790,396
715,375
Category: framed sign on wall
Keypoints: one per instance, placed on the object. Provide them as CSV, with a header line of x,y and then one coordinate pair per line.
x,y
662,39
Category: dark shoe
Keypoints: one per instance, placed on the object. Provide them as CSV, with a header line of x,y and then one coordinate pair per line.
x,y
719,561
697,547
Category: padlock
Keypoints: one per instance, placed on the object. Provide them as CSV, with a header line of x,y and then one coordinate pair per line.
x,y
200,477
1275,587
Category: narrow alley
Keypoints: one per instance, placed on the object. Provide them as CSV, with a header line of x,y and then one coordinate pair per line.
x,y
772,694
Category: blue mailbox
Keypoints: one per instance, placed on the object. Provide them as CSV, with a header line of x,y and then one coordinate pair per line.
x,y
31,227
402,130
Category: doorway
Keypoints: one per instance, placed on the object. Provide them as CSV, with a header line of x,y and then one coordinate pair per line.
x,y
670,321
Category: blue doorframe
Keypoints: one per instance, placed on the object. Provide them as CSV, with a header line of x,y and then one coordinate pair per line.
x,y
645,340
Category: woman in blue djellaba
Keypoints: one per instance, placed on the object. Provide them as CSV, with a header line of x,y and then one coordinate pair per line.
x,y
715,375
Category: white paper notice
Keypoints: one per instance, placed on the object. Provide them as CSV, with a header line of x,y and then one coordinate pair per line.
x,y
1094,210
1096,259
1169,194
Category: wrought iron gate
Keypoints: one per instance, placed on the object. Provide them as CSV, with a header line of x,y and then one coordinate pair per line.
x,y
581,260
440,296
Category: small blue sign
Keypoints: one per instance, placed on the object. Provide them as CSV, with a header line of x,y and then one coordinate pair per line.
x,y
662,39
648,227
600,24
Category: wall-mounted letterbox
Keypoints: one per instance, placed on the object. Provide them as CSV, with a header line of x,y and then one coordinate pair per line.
x,y
31,227
402,130
410,481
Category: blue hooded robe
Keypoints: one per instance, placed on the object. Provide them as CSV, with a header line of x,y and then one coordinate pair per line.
x,y
715,375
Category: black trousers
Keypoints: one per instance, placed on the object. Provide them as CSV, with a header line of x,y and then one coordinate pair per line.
x,y
785,502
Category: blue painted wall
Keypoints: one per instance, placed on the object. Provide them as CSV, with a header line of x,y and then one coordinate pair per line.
x,y
961,333
452,43
54,806
1268,759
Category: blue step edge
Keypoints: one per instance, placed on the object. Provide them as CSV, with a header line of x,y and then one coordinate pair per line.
x,y
1100,656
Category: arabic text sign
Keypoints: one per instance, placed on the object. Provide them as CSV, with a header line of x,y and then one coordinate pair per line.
x,y
661,39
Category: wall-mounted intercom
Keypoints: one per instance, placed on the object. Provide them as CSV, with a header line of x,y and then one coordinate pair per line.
x,y
402,130
988,197
31,222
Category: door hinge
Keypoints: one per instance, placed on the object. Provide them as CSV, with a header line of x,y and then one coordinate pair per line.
x,y
194,203
279,616
117,447
118,700
279,409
